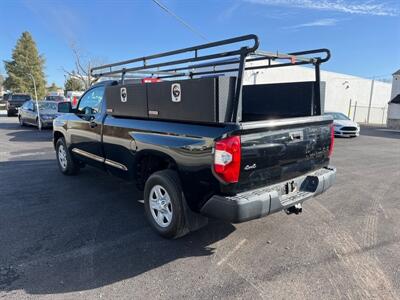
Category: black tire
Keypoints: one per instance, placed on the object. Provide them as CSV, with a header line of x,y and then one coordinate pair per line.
x,y
67,165
169,181
21,121
9,114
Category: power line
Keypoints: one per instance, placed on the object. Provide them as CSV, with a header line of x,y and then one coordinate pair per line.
x,y
163,7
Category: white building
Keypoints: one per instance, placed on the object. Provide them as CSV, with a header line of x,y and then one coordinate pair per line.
x,y
393,120
351,95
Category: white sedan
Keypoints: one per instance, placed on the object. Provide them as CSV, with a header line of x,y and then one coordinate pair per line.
x,y
343,126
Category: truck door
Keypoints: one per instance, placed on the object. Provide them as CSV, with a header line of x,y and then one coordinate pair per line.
x,y
85,129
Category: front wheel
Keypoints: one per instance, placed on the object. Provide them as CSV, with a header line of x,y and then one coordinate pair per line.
x,y
21,121
163,204
65,162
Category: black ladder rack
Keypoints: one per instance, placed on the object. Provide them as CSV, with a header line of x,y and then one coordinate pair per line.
x,y
167,66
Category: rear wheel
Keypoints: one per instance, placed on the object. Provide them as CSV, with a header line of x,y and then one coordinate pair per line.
x,y
21,121
65,162
163,204
9,114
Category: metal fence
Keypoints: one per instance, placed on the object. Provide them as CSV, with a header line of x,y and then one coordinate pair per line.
x,y
367,114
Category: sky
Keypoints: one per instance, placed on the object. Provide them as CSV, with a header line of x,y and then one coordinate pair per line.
x,y
363,36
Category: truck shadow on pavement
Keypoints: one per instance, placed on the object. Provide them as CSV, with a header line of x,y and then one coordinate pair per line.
x,y
62,234
27,133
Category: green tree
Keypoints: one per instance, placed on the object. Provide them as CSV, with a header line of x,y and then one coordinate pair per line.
x,y
26,60
1,84
73,84
52,88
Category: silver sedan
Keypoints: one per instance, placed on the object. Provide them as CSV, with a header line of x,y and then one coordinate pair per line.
x,y
343,126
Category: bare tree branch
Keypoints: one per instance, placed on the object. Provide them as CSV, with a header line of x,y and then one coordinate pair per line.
x,y
82,67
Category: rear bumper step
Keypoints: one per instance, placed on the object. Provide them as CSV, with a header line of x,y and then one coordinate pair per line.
x,y
267,200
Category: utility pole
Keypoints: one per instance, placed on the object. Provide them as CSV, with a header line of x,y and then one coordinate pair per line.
x,y
370,99
37,103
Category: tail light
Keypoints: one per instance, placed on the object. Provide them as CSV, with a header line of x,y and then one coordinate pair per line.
x,y
150,80
227,159
332,140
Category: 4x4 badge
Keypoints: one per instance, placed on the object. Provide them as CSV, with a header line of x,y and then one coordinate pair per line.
x,y
250,167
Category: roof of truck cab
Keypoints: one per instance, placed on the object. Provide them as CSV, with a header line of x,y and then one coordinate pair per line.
x,y
115,82
105,83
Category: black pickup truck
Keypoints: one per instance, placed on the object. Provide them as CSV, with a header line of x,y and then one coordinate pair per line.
x,y
14,102
197,140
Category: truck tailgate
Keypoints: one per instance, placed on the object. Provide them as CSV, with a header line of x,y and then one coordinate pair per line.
x,y
278,150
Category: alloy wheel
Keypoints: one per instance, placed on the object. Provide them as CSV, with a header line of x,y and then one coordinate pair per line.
x,y
160,206
62,157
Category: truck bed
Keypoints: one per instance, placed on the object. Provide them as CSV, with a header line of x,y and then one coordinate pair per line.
x,y
277,150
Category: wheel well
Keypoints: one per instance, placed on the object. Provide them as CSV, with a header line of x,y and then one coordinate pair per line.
x,y
57,135
149,163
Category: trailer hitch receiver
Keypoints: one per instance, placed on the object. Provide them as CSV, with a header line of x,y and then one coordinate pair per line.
x,y
295,209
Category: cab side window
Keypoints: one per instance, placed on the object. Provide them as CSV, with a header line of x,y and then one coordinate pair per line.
x,y
91,102
30,105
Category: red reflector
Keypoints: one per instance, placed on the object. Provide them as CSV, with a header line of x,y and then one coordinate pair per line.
x,y
150,80
227,157
332,140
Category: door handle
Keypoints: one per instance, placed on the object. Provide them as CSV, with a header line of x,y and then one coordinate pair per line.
x,y
92,124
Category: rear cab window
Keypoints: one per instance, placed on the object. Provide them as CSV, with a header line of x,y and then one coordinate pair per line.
x,y
20,97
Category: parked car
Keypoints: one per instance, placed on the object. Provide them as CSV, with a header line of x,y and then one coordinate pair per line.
x,y
48,111
14,101
5,98
57,98
343,125
203,147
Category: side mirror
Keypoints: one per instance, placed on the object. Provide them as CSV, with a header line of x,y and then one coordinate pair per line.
x,y
64,107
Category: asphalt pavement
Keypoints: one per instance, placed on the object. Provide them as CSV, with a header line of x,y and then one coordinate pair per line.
x,y
86,236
